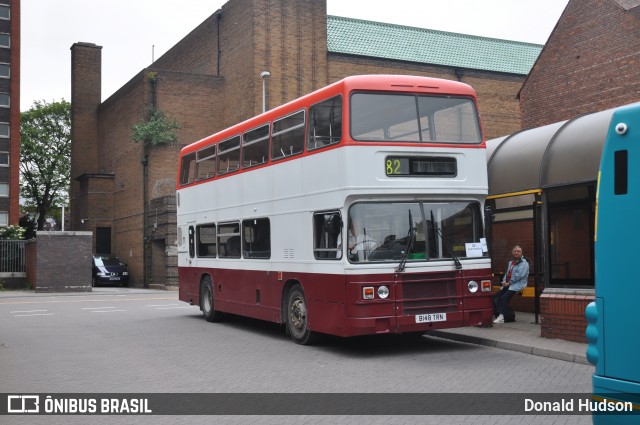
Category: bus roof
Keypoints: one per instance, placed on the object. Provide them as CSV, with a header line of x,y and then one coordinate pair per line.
x,y
376,82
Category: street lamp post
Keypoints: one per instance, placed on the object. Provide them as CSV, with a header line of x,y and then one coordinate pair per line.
x,y
264,75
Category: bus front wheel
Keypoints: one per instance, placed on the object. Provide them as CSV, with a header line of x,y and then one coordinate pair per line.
x,y
206,301
298,317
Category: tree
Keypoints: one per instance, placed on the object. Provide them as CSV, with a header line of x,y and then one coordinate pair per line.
x,y
45,156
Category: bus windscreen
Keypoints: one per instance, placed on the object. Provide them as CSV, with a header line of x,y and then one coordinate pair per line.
x,y
379,117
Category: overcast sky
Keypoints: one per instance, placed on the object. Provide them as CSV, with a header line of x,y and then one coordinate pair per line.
x,y
127,30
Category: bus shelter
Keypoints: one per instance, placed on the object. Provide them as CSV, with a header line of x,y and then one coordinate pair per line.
x,y
542,191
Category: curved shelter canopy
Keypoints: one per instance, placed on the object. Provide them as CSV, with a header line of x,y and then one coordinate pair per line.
x,y
558,154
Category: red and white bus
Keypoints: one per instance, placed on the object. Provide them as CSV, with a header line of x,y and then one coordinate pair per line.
x,y
353,210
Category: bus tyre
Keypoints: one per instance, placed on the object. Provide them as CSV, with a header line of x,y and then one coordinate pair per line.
x,y
206,301
297,317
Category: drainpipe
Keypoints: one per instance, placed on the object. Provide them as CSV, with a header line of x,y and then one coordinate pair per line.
x,y
145,196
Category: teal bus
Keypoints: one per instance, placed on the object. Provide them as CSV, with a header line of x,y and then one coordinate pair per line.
x,y
613,333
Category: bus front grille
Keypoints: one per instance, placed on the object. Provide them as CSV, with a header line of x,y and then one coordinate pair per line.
x,y
429,293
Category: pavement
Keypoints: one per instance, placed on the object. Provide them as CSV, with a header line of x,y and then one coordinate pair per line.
x,y
522,335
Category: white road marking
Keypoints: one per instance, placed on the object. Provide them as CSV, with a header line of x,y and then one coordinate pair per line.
x,y
105,311
27,311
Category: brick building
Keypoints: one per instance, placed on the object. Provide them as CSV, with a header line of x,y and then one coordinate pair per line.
x,y
124,193
590,63
9,112
543,179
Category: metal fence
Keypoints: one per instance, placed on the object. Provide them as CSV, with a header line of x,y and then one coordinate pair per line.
x,y
13,256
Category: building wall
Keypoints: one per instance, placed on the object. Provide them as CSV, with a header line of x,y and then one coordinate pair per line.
x,y
590,63
14,114
86,62
10,175
54,253
191,100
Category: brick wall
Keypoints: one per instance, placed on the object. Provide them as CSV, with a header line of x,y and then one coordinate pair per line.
x,y
590,63
14,111
85,97
62,262
563,316
195,102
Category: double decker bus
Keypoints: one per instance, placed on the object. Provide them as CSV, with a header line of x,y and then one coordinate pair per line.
x,y
613,339
353,210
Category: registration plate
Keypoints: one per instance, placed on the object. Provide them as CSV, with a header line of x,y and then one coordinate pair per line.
x,y
114,278
432,317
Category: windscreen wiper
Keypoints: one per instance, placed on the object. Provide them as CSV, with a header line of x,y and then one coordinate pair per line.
x,y
411,236
446,245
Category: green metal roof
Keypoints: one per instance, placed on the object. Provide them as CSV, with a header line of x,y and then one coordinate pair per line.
x,y
380,40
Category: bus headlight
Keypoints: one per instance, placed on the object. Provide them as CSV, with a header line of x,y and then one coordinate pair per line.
x,y
383,292
473,286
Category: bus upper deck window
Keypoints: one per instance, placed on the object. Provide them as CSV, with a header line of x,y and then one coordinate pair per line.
x,y
325,123
188,169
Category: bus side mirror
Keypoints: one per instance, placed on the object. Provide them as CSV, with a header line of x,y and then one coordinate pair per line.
x,y
488,222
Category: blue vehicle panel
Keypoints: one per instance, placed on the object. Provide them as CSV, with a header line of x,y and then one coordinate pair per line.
x,y
612,332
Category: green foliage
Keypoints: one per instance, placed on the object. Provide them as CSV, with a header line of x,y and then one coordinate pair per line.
x,y
45,156
30,225
12,232
157,129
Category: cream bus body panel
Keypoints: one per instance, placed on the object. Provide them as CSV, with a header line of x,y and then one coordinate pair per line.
x,y
289,192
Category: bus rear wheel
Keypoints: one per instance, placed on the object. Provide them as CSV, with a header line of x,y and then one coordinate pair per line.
x,y
298,317
207,303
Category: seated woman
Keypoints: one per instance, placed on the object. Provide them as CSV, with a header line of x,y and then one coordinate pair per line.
x,y
514,281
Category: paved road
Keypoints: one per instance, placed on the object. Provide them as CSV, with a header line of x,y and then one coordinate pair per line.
x,y
136,341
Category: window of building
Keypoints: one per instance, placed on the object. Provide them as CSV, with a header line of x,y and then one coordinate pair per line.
x,y
4,190
571,213
4,129
5,100
5,12
288,136
327,235
188,169
206,236
325,123
5,40
206,161
255,146
5,70
256,238
229,240
229,155
4,159
4,218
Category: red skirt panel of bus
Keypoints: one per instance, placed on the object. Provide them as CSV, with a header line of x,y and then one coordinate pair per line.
x,y
338,304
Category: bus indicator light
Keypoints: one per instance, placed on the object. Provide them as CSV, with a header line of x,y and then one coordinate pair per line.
x,y
279,276
486,285
367,293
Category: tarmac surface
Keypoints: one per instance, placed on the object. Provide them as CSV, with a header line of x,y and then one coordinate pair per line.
x,y
523,335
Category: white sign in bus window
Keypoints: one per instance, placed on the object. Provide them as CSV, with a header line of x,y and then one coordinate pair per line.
x,y
474,249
